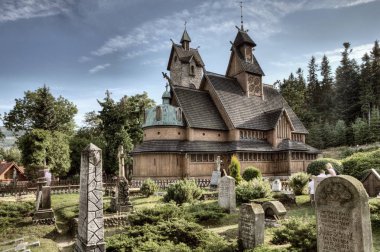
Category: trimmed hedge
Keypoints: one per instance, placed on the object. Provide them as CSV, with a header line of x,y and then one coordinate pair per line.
x,y
320,164
356,164
251,173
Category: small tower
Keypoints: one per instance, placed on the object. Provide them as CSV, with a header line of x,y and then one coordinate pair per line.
x,y
243,65
166,97
185,64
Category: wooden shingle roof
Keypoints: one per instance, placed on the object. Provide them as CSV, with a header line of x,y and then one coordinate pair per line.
x,y
185,55
199,109
252,112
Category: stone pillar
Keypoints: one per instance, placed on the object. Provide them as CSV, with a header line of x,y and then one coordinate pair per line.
x,y
90,237
44,213
251,225
226,193
343,218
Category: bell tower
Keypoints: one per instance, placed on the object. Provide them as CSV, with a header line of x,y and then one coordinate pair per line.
x,y
185,63
243,65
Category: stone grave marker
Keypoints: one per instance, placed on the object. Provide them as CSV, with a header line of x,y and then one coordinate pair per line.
x,y
226,193
216,174
371,183
343,218
251,225
276,185
90,237
274,210
44,213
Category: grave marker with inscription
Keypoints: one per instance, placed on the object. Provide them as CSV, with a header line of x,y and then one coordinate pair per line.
x,y
343,218
226,193
251,225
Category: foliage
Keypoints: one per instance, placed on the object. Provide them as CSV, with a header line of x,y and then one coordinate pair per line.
x,y
298,182
361,131
357,163
266,248
204,213
251,173
300,233
148,187
183,191
42,148
374,207
318,165
120,124
13,212
11,155
41,110
254,189
234,168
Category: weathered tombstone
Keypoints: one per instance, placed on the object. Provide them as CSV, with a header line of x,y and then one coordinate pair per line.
x,y
371,183
226,193
121,202
216,174
90,237
276,185
343,218
251,225
274,210
44,213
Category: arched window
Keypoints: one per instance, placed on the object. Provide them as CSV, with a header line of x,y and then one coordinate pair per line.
x,y
192,69
192,86
179,114
158,113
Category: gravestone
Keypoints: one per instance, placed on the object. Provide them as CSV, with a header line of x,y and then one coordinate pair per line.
x,y
216,174
343,218
251,225
90,237
121,202
44,213
371,183
276,185
274,210
226,193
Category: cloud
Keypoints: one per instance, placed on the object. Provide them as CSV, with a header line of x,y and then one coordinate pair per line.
x,y
84,59
12,10
98,68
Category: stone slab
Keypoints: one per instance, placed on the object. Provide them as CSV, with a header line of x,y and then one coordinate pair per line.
x,y
215,177
274,209
226,193
251,225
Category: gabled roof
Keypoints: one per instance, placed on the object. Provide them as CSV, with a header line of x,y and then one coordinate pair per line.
x,y
242,37
250,67
4,167
372,171
252,112
185,55
198,108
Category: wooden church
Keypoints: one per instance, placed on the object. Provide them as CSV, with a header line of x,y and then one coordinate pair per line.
x,y
204,115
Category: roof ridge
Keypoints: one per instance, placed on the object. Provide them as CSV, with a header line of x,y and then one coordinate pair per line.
x,y
188,88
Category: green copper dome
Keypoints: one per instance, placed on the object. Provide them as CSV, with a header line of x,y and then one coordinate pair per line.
x,y
164,114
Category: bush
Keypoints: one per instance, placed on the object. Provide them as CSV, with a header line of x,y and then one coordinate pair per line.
x,y
251,173
13,212
298,182
356,164
320,164
204,213
254,189
234,168
148,187
300,233
175,235
183,191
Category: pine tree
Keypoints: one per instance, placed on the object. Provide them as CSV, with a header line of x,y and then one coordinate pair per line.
x,y
340,133
313,94
327,90
367,97
375,58
347,87
375,125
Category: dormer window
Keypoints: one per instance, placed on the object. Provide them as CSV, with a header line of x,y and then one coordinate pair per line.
x,y
192,69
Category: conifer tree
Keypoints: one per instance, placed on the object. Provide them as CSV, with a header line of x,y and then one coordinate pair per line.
x,y
327,90
313,97
367,97
375,59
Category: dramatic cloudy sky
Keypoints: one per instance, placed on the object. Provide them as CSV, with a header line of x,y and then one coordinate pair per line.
x,y
81,48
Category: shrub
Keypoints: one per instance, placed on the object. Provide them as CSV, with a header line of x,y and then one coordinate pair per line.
x,y
183,191
251,173
13,212
298,182
148,187
206,213
361,161
175,235
234,168
320,164
300,233
254,189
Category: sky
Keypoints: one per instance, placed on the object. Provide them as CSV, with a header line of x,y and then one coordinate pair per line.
x,y
81,48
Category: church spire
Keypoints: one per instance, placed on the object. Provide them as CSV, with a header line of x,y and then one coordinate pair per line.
x,y
241,16
185,40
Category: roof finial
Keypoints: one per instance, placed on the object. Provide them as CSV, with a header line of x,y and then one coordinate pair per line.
x,y
185,24
166,86
241,15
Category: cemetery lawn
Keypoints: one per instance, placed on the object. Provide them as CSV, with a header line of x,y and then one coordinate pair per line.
x,y
65,207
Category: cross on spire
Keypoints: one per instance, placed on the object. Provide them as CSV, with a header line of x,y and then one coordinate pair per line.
x,y
166,86
185,24
241,15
